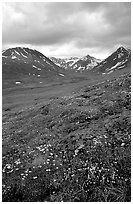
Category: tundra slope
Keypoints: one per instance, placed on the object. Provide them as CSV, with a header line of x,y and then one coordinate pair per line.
x,y
25,65
74,148
119,59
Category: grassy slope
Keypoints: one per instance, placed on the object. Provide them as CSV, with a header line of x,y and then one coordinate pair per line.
x,y
75,148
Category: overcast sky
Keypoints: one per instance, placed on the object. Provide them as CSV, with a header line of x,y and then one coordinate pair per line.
x,y
67,29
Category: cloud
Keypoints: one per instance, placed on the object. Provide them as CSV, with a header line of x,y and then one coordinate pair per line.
x,y
79,26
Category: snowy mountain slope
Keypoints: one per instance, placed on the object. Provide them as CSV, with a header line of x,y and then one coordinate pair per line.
x,y
66,62
119,59
24,64
86,63
76,63
19,62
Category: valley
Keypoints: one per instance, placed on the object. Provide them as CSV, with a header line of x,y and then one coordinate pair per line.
x,y
67,139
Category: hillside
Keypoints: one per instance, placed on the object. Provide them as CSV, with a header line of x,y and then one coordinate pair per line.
x,y
119,59
74,148
24,65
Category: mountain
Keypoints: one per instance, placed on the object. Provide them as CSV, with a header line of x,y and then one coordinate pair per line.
x,y
86,63
20,63
119,59
24,65
76,63
66,63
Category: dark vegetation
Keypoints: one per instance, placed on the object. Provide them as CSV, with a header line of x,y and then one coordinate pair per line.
x,y
75,148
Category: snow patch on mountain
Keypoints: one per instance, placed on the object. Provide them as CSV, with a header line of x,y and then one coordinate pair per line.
x,y
110,72
18,82
120,55
62,75
25,51
13,57
23,55
36,67
17,52
116,65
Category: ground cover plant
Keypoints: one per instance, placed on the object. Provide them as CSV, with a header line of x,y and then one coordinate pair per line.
x,y
75,148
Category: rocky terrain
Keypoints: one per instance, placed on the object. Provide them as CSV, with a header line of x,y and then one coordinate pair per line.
x,y
76,63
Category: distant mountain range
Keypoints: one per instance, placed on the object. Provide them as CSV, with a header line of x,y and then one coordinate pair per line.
x,y
66,63
76,63
19,63
117,60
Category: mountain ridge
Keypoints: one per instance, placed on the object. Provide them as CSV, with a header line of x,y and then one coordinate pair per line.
x,y
119,59
19,63
77,63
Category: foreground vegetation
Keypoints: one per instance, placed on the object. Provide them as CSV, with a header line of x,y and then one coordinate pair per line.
x,y
75,148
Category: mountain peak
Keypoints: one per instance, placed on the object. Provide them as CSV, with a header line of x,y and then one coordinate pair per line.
x,y
122,49
119,59
22,51
78,64
25,65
